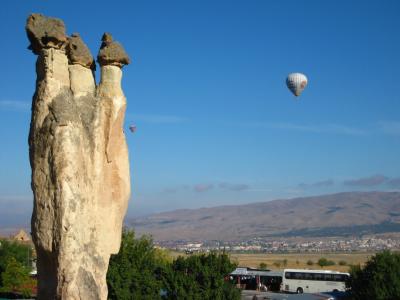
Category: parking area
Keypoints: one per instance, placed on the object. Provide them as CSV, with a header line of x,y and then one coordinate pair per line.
x,y
249,295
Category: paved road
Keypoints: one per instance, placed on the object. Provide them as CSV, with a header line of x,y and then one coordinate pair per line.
x,y
248,295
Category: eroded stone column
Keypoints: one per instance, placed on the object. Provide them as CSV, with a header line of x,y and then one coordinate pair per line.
x,y
79,160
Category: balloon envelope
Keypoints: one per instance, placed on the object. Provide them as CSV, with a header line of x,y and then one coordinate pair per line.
x,y
132,128
296,82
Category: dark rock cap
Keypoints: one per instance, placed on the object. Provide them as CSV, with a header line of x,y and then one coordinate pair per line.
x,y
112,53
79,53
44,32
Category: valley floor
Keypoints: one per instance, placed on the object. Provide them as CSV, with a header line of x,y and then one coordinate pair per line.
x,y
299,260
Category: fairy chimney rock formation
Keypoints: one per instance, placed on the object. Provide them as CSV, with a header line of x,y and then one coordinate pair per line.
x,y
79,160
79,53
111,53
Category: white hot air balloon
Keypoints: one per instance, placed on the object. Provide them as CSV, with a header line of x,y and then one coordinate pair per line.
x,y
296,82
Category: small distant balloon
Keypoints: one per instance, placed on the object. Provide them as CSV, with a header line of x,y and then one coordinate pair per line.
x,y
132,128
296,83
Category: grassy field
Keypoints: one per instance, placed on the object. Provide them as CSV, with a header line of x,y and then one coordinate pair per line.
x,y
295,260
299,260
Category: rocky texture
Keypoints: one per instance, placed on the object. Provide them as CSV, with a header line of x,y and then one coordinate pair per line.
x,y
80,167
45,32
79,53
112,53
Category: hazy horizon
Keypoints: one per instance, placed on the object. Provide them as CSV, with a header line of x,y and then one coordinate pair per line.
x,y
16,214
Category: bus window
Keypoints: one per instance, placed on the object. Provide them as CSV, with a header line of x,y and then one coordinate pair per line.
x,y
307,276
328,277
289,275
318,276
298,275
338,277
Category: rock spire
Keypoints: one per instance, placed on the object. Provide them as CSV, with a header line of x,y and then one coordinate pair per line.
x,y
79,160
112,53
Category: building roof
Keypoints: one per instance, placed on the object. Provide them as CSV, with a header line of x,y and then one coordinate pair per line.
x,y
22,236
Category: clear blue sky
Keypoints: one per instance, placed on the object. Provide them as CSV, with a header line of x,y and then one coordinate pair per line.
x,y
216,123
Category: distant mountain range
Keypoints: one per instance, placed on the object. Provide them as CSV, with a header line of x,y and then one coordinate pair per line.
x,y
343,214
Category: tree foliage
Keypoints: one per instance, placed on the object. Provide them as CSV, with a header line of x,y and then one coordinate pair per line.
x,y
323,262
12,249
15,278
263,266
200,277
379,279
132,273
140,271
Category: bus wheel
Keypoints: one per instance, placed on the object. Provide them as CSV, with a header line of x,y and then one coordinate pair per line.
x,y
299,290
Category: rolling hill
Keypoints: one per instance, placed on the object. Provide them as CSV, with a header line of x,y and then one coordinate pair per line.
x,y
351,213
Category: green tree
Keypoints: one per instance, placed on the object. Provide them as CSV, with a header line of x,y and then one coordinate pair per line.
x,y
310,262
12,249
140,271
323,262
379,279
263,266
132,273
201,277
15,278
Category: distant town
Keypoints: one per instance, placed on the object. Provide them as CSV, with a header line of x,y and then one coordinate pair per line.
x,y
362,244
372,243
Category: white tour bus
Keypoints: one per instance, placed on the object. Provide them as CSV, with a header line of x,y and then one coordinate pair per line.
x,y
313,281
